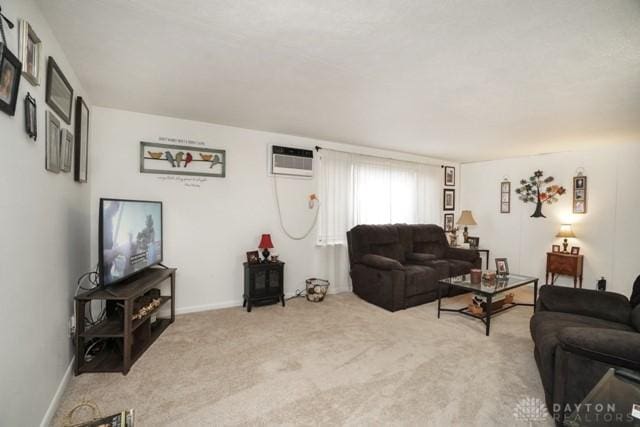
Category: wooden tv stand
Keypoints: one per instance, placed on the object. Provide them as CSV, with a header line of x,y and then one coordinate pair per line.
x,y
125,339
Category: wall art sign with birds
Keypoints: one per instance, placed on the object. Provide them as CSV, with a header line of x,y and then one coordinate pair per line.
x,y
182,160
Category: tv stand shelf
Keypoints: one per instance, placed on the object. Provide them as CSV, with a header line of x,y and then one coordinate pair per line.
x,y
125,339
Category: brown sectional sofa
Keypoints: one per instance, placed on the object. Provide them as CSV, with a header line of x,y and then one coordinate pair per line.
x,y
398,266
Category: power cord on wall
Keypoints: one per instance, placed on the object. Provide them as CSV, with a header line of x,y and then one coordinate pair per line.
x,y
313,224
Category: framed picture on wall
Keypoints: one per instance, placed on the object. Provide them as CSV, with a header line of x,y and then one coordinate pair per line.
x,y
580,194
30,47
59,93
81,150
52,151
449,200
182,160
10,69
449,176
448,222
30,117
505,197
66,150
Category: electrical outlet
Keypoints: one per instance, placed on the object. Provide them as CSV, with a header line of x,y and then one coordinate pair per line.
x,y
72,326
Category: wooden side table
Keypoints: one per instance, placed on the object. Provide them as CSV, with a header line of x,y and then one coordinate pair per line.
x,y
563,263
263,284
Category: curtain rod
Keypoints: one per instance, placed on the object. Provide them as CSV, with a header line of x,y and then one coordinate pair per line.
x,y
318,148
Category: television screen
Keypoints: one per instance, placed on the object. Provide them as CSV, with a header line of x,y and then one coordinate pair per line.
x,y
130,238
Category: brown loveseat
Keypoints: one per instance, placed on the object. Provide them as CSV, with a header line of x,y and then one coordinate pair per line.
x,y
398,266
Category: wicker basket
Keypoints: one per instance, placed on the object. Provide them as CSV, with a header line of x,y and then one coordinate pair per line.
x,y
316,289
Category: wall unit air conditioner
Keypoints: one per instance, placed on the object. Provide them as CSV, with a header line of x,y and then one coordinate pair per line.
x,y
290,161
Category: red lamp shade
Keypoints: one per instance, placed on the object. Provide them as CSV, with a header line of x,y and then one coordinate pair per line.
x,y
265,242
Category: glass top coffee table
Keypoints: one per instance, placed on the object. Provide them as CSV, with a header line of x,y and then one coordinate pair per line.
x,y
489,292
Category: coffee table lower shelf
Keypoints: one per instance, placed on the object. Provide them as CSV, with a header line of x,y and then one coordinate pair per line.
x,y
486,316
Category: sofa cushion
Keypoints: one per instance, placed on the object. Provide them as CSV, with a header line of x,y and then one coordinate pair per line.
x,y
420,280
458,267
389,250
545,327
430,239
419,259
440,266
635,317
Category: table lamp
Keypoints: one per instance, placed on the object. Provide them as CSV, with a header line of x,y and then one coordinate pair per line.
x,y
565,231
466,218
265,245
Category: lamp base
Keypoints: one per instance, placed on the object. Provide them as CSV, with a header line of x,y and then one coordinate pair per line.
x,y
465,234
265,254
565,245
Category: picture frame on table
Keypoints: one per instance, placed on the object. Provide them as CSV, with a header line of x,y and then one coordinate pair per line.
x,y
449,199
449,176
448,222
474,242
81,149
575,250
10,72
502,267
30,117
59,93
30,50
555,249
253,257
52,136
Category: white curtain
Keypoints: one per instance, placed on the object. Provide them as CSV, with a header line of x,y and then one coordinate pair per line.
x,y
355,189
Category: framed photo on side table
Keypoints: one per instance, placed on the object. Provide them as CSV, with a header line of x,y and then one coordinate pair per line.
x,y
449,199
575,250
474,242
81,150
555,248
253,257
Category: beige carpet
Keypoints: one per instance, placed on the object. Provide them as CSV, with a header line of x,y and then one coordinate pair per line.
x,y
339,362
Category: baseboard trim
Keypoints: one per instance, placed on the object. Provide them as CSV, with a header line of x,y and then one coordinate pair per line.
x,y
207,307
55,402
235,303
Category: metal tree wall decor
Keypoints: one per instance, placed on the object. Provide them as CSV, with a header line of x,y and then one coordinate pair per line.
x,y
539,190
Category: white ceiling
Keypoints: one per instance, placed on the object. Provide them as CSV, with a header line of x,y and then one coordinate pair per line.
x,y
458,79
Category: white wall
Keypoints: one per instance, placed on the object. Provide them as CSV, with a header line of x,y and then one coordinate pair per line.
x,y
608,234
45,246
209,229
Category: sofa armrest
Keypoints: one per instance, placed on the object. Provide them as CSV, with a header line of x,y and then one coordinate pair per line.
x,y
585,302
610,346
470,255
380,262
420,259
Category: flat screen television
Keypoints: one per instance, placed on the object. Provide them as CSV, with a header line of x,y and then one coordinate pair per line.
x,y
130,238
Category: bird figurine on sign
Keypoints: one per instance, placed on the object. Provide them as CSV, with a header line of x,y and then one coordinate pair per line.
x,y
179,156
169,157
188,159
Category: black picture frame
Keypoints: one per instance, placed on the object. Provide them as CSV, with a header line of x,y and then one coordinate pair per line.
x,y
449,176
474,242
575,250
449,222
30,117
9,88
64,106
253,257
81,149
449,205
500,270
555,249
